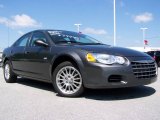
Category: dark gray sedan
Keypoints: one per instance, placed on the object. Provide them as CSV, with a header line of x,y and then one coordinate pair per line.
x,y
74,61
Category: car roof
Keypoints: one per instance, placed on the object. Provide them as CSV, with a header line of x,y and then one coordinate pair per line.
x,y
45,30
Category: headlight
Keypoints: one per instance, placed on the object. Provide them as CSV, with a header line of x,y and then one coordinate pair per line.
x,y
104,58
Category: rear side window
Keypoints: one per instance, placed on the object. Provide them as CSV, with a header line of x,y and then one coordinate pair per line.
x,y
22,42
151,53
158,53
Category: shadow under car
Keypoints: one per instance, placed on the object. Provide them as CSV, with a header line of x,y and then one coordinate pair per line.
x,y
98,94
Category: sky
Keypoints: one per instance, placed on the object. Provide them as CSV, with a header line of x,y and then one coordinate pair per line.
x,y
18,17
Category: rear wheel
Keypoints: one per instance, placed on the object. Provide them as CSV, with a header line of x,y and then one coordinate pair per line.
x,y
9,76
67,80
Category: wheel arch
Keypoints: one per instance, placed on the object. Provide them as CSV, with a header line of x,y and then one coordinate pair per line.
x,y
4,60
73,58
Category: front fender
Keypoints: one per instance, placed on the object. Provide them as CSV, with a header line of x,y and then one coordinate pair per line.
x,y
77,57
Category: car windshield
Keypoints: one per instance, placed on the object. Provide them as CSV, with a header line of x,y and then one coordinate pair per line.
x,y
65,37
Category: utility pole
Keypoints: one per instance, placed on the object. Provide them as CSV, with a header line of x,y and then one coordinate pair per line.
x,y
144,35
78,27
8,33
114,17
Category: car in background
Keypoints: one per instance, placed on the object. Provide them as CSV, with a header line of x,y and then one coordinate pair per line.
x,y
156,55
0,59
73,61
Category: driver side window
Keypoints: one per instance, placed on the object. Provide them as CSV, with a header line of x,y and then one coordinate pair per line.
x,y
37,36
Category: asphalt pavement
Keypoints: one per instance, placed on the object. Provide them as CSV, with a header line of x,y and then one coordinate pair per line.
x,y
33,100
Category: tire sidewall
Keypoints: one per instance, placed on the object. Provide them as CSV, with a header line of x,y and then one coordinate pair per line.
x,y
12,77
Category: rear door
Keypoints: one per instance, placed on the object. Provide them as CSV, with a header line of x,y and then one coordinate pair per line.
x,y
17,52
37,62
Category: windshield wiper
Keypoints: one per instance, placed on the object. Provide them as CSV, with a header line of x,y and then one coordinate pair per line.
x,y
68,42
75,42
92,43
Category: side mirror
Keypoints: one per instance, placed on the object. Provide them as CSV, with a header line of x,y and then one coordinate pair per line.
x,y
41,43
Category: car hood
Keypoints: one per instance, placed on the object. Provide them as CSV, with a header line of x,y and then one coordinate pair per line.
x,y
119,51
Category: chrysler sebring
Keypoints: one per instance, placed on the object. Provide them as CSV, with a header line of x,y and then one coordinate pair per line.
x,y
73,61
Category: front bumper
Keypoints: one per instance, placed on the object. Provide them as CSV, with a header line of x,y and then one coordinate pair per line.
x,y
98,76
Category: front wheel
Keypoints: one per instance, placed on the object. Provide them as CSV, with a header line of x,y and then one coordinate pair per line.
x,y
67,80
9,76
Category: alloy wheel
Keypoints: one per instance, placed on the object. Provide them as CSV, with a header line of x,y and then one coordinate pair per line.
x,y
7,71
68,80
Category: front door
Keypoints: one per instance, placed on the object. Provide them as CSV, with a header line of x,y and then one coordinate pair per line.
x,y
37,62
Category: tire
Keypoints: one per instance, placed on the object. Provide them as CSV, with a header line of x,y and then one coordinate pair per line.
x,y
67,80
9,75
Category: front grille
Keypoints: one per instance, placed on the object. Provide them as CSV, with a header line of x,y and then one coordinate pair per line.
x,y
144,69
